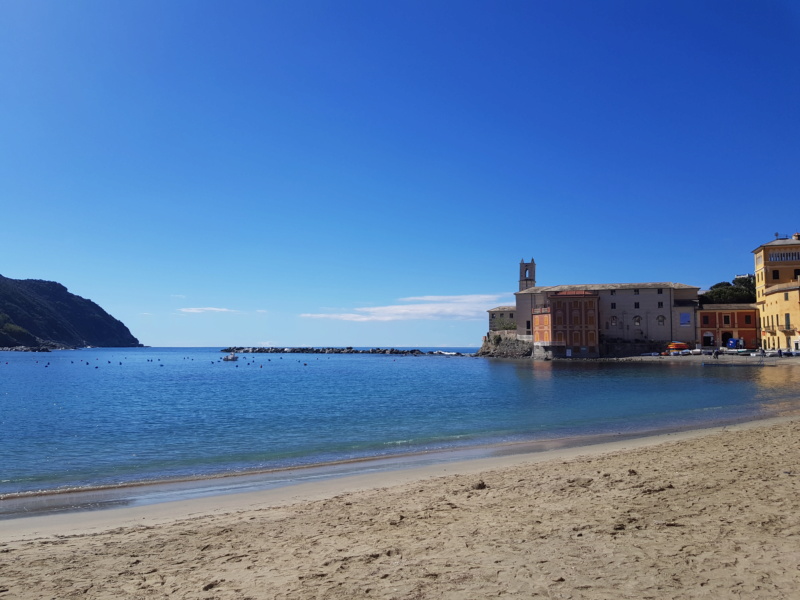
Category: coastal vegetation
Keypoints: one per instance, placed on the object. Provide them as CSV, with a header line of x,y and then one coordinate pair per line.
x,y
44,314
742,290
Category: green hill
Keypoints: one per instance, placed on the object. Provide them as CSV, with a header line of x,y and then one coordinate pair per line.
x,y
43,313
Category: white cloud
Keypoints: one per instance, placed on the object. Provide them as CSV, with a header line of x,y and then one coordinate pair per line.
x,y
467,307
207,309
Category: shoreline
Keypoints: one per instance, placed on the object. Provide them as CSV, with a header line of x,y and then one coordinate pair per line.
x,y
98,515
709,513
50,502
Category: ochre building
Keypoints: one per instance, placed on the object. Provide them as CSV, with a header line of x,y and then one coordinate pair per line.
x,y
777,273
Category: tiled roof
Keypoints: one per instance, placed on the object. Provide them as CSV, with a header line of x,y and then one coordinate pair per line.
x,y
782,287
608,286
779,242
729,307
504,308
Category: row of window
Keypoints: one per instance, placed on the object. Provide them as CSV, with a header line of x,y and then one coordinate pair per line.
x,y
635,305
726,319
776,274
784,256
636,291
772,321
637,321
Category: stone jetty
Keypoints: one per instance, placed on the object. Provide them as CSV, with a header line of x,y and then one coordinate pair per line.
x,y
348,350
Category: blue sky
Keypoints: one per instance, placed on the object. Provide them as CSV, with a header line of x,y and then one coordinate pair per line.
x,y
371,173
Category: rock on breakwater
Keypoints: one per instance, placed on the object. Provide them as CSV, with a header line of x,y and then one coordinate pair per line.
x,y
347,350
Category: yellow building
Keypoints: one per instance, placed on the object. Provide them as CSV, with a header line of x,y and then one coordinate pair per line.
x,y
777,271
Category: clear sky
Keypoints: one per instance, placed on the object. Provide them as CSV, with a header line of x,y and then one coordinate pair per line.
x,y
367,173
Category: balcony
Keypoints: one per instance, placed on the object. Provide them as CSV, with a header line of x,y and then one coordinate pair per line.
x,y
787,327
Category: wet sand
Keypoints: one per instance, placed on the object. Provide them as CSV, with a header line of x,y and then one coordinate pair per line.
x,y
708,514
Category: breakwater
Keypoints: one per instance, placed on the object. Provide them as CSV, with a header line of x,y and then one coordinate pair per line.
x,y
347,350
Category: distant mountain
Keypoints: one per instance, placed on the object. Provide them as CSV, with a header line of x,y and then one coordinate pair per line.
x,y
43,313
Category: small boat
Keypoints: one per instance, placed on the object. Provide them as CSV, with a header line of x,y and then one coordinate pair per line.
x,y
232,356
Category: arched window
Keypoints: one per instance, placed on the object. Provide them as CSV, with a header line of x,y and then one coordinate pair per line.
x,y
637,321
661,319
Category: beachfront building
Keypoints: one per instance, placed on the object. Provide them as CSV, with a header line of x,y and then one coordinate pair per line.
x,y
502,318
777,273
719,323
611,319
565,324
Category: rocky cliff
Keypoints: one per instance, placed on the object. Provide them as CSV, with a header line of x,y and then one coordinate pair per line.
x,y
43,313
504,344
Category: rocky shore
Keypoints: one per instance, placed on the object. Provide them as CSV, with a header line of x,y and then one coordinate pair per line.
x,y
30,348
504,344
348,350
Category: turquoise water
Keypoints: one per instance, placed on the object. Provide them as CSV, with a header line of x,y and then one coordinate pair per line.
x,y
105,417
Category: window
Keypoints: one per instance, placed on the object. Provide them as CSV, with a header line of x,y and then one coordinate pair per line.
x,y
748,320
637,321
635,305
785,295
510,315
614,321
661,319
705,319
613,292
613,305
636,292
660,290
776,274
660,305
726,319
796,273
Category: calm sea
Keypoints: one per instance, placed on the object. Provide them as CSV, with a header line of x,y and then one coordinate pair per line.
x,y
108,417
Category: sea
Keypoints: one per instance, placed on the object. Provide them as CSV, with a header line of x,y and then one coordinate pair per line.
x,y
103,427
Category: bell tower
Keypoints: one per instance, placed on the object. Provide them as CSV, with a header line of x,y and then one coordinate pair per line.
x,y
527,274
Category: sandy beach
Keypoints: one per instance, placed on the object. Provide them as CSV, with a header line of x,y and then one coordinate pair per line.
x,y
710,514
